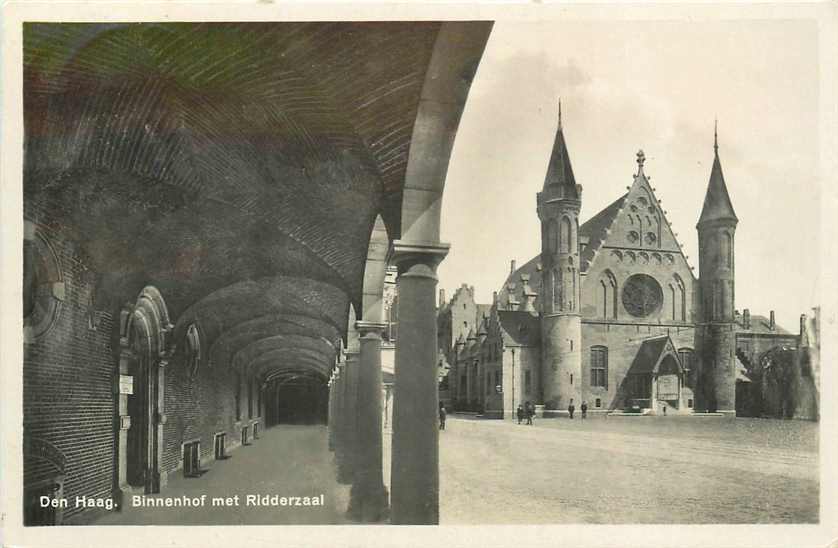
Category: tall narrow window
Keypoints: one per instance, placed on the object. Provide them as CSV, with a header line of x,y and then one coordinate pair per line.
x,y
674,297
604,298
565,236
686,357
726,249
552,236
599,366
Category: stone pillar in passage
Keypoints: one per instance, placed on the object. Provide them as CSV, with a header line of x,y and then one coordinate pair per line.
x,y
415,463
349,442
339,387
331,414
368,498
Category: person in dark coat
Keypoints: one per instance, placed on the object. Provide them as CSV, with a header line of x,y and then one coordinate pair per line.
x,y
530,412
520,413
584,409
442,416
571,408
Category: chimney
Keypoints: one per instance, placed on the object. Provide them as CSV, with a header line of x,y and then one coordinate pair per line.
x,y
441,298
802,324
512,266
771,321
494,298
746,319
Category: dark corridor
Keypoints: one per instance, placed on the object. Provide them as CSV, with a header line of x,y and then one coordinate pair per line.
x,y
298,401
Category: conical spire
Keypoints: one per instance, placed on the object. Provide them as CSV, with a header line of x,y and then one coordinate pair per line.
x,y
559,171
717,204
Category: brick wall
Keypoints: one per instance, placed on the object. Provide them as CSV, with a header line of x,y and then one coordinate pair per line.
x,y
199,407
68,380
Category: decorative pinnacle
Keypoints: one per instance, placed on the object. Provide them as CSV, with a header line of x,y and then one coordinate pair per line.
x,y
640,159
560,113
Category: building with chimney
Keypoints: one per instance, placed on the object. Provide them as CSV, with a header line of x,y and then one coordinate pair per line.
x,y
612,314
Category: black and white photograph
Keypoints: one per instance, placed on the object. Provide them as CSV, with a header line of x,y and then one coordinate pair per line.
x,y
521,274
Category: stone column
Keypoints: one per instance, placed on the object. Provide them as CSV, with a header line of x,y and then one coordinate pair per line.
x,y
124,424
160,478
331,415
340,418
349,423
415,463
368,498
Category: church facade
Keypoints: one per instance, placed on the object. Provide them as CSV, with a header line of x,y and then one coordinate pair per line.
x,y
610,313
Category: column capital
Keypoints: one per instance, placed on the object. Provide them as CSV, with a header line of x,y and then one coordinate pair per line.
x,y
365,328
405,254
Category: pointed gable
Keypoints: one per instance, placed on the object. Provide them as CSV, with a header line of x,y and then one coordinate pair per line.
x,y
634,228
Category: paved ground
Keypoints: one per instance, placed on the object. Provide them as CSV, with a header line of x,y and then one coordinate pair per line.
x,y
615,470
629,470
286,460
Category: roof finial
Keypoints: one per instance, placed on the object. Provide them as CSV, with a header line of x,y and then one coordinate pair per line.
x,y
640,159
716,137
560,113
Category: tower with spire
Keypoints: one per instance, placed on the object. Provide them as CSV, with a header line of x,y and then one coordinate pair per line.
x,y
558,206
715,330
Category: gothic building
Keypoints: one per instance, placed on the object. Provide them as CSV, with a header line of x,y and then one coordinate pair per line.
x,y
611,313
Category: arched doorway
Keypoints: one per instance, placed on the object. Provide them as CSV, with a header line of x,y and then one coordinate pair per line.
x,y
668,383
143,356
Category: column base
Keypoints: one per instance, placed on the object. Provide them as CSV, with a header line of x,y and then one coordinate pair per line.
x,y
344,472
368,504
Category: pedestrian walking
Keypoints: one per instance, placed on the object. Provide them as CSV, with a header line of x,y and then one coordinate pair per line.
x,y
520,413
442,416
584,409
571,408
530,411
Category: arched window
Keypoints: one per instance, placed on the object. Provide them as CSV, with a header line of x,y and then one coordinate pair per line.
x,y
608,291
674,297
726,249
552,236
557,291
686,357
565,236
679,301
599,366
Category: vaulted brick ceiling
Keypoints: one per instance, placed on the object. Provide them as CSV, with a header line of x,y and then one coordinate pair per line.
x,y
237,167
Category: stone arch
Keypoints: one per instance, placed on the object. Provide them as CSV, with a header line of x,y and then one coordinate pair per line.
x,y
456,54
375,271
43,283
144,352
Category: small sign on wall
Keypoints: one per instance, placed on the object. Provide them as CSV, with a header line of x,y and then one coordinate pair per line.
x,y
126,384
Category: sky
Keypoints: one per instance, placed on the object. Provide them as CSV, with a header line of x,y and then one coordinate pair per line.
x,y
656,86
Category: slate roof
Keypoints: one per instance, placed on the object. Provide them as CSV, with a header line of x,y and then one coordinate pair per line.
x,y
519,327
648,355
594,229
559,171
717,204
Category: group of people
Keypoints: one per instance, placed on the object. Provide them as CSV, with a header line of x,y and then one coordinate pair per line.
x,y
527,410
572,409
524,411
